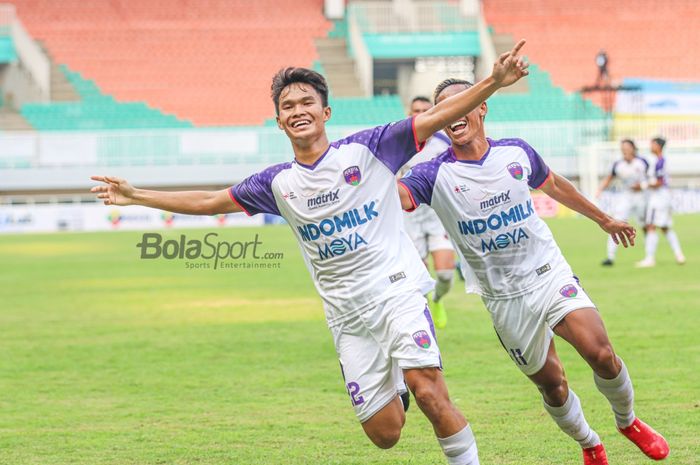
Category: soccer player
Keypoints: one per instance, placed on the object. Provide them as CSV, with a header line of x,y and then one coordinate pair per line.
x,y
341,203
631,171
480,189
424,227
659,210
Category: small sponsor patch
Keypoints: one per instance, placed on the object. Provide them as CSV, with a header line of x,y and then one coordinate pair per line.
x,y
516,170
395,277
422,339
568,291
543,269
352,175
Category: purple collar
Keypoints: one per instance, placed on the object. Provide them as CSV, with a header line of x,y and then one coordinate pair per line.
x,y
478,162
315,164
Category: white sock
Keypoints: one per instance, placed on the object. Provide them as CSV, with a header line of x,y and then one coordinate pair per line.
x,y
460,448
569,417
650,243
612,247
444,283
674,242
620,394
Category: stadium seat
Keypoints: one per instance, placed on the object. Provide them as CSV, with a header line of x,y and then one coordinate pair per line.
x,y
190,59
641,37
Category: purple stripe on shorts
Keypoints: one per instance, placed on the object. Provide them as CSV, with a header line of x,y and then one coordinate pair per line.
x,y
429,317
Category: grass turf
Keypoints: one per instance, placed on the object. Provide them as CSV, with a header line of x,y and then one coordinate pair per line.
x,y
109,359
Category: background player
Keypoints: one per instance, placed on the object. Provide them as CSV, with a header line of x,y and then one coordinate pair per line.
x,y
525,282
368,274
631,171
424,227
659,209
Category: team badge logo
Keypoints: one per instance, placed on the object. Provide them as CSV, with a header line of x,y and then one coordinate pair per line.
x,y
568,291
353,175
422,339
516,171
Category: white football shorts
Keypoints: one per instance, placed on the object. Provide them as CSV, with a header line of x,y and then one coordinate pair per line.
x,y
524,323
660,209
426,231
376,346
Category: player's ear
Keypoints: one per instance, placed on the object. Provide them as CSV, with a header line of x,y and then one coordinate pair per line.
x,y
483,109
326,114
279,122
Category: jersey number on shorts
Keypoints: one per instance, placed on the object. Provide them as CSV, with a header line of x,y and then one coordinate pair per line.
x,y
354,390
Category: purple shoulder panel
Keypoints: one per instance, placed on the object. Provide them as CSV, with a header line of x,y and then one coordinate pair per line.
x,y
393,144
420,180
539,169
254,194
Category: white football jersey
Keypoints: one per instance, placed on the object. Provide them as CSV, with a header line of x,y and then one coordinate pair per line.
x,y
346,214
434,146
631,172
487,210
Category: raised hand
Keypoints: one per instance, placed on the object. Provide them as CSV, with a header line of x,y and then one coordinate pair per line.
x,y
114,191
510,67
620,231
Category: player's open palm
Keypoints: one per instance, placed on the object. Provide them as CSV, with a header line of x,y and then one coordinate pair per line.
x,y
621,232
510,66
114,191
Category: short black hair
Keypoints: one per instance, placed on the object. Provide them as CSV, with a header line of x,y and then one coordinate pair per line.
x,y
659,140
421,98
631,142
447,83
291,75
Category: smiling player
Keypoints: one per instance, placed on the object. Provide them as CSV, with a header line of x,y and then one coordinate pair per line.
x,y
363,265
480,189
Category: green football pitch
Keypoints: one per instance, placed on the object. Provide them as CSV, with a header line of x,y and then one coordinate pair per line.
x,y
106,358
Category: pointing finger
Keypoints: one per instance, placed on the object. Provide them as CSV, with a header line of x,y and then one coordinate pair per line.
x,y
517,47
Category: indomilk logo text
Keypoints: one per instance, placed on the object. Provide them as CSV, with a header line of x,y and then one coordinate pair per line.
x,y
497,221
337,224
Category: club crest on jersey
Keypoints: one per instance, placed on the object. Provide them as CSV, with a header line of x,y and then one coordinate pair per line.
x,y
352,175
516,170
422,339
568,291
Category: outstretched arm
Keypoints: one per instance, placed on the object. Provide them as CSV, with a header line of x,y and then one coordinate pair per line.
x,y
561,190
508,69
117,191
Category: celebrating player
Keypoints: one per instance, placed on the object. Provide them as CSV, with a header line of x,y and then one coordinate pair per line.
x,y
631,202
480,189
659,210
340,201
424,227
